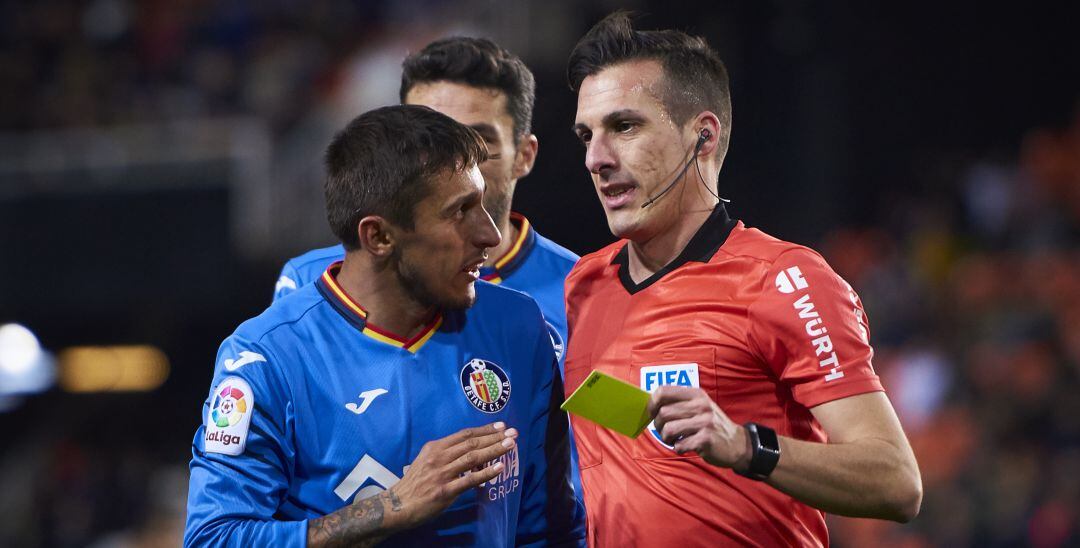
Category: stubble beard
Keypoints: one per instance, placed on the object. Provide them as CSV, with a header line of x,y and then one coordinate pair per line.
x,y
420,291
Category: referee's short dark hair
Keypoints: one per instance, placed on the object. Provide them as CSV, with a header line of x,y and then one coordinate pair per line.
x,y
695,77
477,62
382,162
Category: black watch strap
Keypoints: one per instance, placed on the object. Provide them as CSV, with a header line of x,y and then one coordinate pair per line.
x,y
764,451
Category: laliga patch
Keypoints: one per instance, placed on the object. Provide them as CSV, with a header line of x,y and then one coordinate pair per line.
x,y
655,376
229,417
486,385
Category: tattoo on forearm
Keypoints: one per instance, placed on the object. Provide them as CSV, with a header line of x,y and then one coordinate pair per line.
x,y
354,525
395,503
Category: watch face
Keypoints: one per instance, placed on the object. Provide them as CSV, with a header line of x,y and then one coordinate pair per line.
x,y
767,439
766,451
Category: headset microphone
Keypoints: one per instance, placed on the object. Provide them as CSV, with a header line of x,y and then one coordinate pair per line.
x,y
702,139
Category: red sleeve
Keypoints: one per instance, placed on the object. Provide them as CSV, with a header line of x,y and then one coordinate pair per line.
x,y
809,326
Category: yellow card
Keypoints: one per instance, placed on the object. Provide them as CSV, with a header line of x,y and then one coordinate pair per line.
x,y
611,403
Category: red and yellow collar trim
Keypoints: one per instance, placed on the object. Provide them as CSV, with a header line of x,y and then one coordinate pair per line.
x,y
517,253
356,315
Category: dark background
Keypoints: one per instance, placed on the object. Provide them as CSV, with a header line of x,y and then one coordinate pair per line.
x,y
928,150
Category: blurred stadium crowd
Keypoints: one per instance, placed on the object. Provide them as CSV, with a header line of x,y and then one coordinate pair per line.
x,y
972,284
970,274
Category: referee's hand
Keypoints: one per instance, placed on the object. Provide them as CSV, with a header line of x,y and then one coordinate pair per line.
x,y
688,419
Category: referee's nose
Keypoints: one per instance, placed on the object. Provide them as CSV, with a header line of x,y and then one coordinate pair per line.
x,y
600,157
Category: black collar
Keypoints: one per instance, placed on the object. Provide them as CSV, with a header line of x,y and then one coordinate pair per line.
x,y
706,241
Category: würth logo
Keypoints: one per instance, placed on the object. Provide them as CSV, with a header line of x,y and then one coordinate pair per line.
x,y
787,281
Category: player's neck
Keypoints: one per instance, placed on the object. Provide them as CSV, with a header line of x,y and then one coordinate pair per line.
x,y
510,233
648,256
380,293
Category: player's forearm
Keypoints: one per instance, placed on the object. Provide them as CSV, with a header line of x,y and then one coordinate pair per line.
x,y
363,523
869,478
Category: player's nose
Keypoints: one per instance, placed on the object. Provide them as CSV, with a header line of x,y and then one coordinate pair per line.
x,y
485,233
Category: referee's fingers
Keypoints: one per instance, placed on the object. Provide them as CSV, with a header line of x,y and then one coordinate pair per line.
x,y
674,411
677,430
665,395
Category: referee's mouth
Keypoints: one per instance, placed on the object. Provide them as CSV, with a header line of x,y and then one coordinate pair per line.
x,y
617,195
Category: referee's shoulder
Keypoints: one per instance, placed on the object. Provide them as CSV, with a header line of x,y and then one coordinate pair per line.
x,y
756,245
597,260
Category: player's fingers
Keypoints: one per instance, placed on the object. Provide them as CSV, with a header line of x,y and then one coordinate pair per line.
x,y
480,457
665,395
473,478
678,430
478,442
467,433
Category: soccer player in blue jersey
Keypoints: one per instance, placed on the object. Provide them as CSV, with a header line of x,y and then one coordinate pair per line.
x,y
394,398
481,85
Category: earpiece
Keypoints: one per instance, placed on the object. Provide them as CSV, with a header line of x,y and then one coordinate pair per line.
x,y
703,137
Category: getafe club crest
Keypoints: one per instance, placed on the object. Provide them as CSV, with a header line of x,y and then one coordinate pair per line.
x,y
486,385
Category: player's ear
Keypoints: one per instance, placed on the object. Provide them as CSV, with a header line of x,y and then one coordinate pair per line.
x,y
525,156
376,235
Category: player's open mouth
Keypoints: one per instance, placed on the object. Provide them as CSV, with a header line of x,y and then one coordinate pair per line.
x,y
473,269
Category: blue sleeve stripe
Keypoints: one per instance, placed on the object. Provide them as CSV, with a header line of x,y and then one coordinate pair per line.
x,y
259,410
562,511
249,454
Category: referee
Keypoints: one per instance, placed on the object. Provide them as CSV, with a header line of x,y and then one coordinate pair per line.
x,y
767,409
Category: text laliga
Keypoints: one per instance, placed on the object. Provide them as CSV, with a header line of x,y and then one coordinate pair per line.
x,y
222,437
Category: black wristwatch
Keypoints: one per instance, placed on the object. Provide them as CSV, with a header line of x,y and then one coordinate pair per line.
x,y
764,451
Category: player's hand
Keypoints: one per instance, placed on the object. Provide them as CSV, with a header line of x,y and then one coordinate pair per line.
x,y
688,419
446,468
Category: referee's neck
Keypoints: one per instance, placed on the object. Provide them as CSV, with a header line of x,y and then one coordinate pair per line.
x,y
648,256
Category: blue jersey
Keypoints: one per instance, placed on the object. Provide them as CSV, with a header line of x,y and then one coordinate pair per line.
x,y
534,265
312,407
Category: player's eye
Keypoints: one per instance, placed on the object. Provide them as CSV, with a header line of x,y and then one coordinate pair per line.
x,y
584,137
624,126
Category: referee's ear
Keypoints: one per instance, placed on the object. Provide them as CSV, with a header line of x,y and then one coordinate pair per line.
x,y
376,236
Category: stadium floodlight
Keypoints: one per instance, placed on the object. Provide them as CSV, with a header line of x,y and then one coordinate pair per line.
x,y
24,366
134,368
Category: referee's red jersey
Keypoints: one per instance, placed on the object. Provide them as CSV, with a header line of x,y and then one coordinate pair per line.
x,y
764,326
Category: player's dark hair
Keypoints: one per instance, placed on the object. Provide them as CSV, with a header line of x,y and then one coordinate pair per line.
x,y
382,162
477,62
695,77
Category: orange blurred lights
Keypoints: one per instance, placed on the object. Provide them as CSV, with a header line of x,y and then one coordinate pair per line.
x,y
138,368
